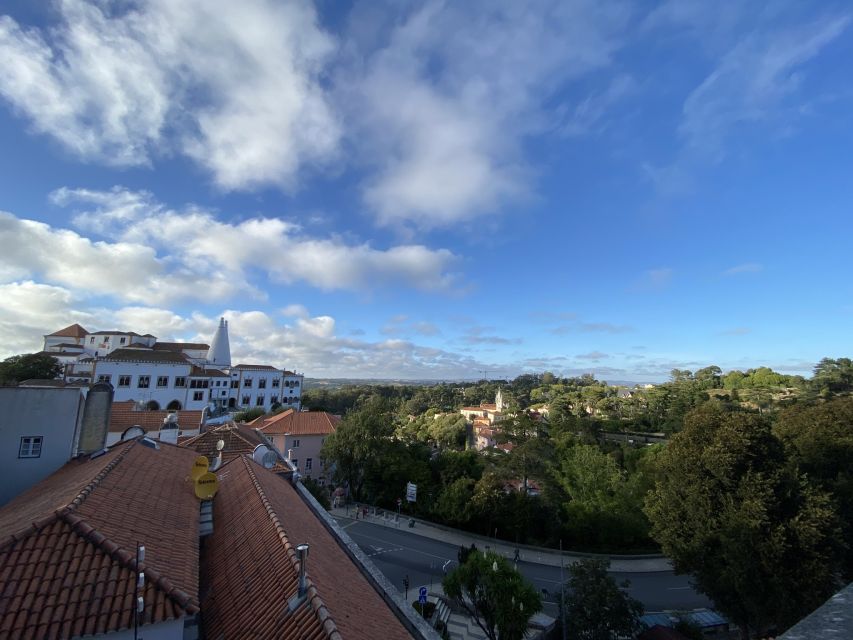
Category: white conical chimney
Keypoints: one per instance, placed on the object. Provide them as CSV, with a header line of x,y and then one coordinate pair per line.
x,y
220,350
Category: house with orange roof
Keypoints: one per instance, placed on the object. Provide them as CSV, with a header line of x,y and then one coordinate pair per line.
x,y
299,436
109,545
68,548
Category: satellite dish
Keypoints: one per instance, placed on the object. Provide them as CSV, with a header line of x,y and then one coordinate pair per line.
x,y
206,485
199,468
259,452
132,432
269,459
220,445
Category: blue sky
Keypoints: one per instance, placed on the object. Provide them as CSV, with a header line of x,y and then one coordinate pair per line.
x,y
430,190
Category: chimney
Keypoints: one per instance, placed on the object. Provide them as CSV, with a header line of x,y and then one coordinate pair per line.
x,y
219,353
96,418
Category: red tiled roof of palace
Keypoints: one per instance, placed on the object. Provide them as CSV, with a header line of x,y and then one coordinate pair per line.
x,y
71,331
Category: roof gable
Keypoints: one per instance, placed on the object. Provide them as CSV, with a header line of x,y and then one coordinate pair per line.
x,y
71,542
71,331
299,423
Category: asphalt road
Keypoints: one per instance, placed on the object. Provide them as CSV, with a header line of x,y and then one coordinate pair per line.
x,y
398,553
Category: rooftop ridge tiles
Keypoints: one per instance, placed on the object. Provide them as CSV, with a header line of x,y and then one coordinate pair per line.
x,y
313,596
127,559
36,525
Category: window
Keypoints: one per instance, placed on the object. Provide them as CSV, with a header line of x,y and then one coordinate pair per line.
x,y
275,383
260,401
262,383
123,340
273,399
246,400
105,378
295,462
162,381
30,447
143,382
198,395
296,383
234,384
247,383
92,340
295,444
321,481
308,464
106,339
124,381
180,381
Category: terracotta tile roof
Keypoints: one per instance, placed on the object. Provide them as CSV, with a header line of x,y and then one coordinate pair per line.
x,y
358,610
124,415
200,372
180,346
259,367
298,423
139,355
72,331
239,440
68,545
250,568
71,345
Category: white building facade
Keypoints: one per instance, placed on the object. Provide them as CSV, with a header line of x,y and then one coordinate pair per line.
x,y
171,375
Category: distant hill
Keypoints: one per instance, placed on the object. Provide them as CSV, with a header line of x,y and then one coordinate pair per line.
x,y
336,383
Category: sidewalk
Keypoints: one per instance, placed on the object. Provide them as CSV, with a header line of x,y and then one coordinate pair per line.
x,y
527,553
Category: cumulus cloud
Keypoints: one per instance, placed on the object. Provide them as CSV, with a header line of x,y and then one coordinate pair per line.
x,y
33,309
241,96
449,97
146,255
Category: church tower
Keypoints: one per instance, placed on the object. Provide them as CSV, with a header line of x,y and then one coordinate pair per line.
x,y
219,353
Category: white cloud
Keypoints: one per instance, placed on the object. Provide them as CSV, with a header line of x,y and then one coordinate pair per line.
x,y
449,97
31,310
234,86
753,80
216,263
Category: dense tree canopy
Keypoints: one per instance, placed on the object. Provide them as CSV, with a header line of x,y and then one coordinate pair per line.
x,y
758,540
29,366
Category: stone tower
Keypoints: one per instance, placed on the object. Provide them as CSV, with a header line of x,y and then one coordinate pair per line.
x,y
219,353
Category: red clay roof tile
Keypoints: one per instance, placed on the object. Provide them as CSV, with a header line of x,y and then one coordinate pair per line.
x,y
67,546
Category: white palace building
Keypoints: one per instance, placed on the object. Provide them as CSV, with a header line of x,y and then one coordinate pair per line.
x,y
171,375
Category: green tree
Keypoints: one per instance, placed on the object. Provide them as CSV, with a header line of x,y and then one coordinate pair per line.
x,y
29,366
819,441
833,376
494,594
359,443
756,538
595,607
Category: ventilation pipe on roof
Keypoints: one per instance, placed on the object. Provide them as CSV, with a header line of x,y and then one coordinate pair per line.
x,y
302,592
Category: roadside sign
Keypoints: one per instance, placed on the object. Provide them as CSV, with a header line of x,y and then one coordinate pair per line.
x,y
411,492
422,595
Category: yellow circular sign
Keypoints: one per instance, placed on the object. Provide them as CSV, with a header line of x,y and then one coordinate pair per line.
x,y
206,486
199,468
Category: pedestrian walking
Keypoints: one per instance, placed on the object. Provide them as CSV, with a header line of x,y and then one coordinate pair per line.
x,y
516,555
